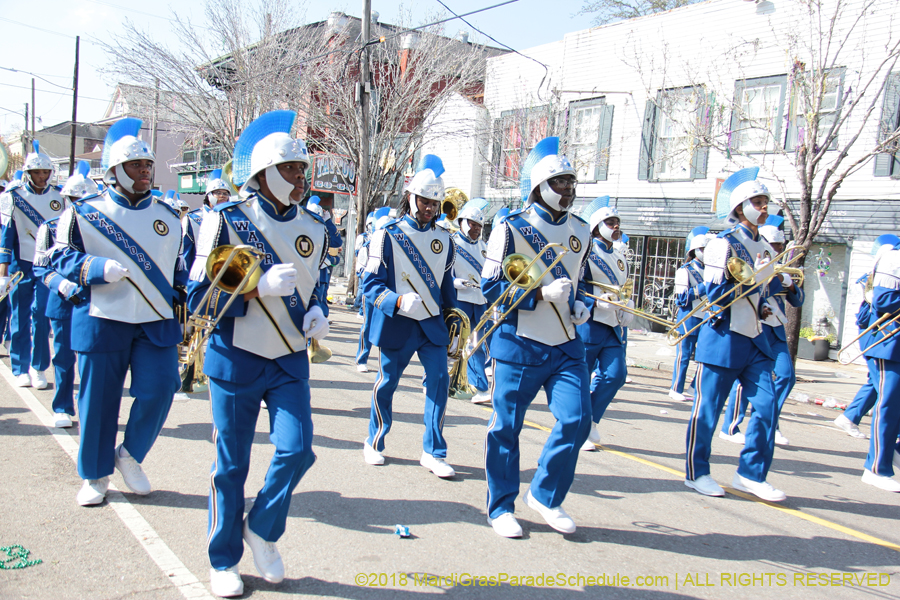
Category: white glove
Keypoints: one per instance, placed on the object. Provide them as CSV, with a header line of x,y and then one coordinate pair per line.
x,y
558,291
460,284
410,302
4,282
279,280
787,281
581,313
315,325
113,271
625,318
608,298
66,288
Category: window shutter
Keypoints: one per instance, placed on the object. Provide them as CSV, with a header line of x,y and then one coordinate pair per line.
x,y
604,139
701,153
495,153
887,163
648,137
734,142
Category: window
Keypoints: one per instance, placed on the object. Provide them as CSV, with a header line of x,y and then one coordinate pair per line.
x,y
590,129
516,132
664,256
759,109
802,97
670,146
887,164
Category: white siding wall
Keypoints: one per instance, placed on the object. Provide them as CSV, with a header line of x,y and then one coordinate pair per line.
x,y
861,261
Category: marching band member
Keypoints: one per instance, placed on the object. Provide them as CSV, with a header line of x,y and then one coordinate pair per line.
x,y
62,297
537,346
379,219
499,217
732,347
470,254
334,241
23,208
688,294
123,248
604,333
773,328
409,281
884,451
362,242
258,349
866,397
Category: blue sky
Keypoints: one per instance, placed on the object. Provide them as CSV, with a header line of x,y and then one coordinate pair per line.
x,y
50,53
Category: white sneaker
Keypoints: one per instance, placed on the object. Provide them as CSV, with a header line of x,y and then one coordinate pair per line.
x,y
132,473
676,396
436,465
38,379
265,556
62,420
489,371
896,460
23,380
588,446
506,525
706,485
482,398
780,440
628,380
848,426
92,491
226,583
362,368
593,439
888,484
371,455
556,518
760,489
360,317
737,438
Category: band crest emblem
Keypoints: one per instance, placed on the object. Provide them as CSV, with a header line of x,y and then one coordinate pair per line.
x,y
575,244
160,227
436,246
484,253
621,264
304,246
55,205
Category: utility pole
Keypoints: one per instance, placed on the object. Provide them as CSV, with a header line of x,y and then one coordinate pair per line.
x,y
33,110
74,110
26,146
362,189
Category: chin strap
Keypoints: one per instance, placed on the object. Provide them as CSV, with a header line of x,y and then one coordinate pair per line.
x,y
550,197
413,206
608,233
750,212
126,182
279,187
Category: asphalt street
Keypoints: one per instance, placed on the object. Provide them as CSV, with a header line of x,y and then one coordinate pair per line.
x,y
641,532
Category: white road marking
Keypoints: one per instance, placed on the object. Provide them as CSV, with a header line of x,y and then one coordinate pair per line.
x,y
174,570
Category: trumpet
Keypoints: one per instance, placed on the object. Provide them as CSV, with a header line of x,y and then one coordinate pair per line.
x,y
879,326
232,269
521,273
13,282
741,272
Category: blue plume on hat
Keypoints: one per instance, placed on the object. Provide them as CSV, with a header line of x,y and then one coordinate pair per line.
x,y
723,205
546,147
314,200
624,239
595,205
776,220
118,130
498,218
156,193
430,161
700,230
84,168
18,175
37,146
887,238
384,211
169,194
216,174
269,123
478,204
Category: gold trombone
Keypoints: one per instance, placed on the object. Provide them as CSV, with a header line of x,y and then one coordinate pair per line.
x,y
13,282
741,272
875,328
521,273
624,292
232,269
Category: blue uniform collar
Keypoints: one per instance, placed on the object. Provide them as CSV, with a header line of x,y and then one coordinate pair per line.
x,y
459,234
601,247
32,191
415,224
545,215
747,232
271,208
121,200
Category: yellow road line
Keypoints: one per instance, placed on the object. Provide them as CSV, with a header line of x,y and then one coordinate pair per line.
x,y
791,511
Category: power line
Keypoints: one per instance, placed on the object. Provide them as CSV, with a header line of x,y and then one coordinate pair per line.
x,y
65,35
38,76
23,87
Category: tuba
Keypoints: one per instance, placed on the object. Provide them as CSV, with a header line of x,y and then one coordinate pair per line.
x,y
459,326
454,199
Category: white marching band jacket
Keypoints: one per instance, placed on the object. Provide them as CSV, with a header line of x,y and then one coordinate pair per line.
x,y
431,246
468,265
614,273
157,233
549,323
738,242
28,212
267,329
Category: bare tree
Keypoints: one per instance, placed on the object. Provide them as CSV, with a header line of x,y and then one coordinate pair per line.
x,y
835,90
608,11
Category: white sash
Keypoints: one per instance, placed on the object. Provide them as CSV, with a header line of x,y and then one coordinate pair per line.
x,y
48,205
463,269
616,262
434,248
